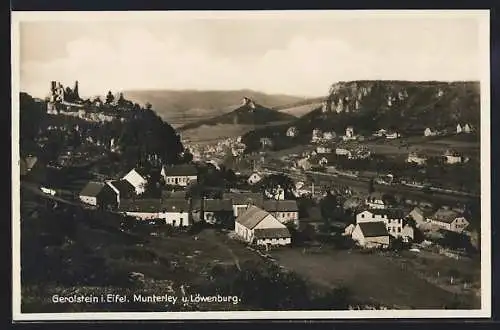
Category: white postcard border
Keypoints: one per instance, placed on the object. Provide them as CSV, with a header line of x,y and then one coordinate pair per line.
x,y
484,312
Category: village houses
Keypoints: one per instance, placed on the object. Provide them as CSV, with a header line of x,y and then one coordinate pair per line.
x,y
254,178
429,132
375,201
349,134
415,158
286,211
179,175
371,235
393,219
292,131
137,179
98,194
122,188
242,200
212,210
256,226
452,157
450,220
174,212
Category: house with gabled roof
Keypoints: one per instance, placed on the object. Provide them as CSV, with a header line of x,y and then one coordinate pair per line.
x,y
122,188
286,211
242,200
375,200
415,158
450,220
98,194
394,220
175,212
138,179
257,226
371,235
213,210
180,175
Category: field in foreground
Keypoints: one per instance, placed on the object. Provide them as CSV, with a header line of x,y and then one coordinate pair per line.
x,y
406,281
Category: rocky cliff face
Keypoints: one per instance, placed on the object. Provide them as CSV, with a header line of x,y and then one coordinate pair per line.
x,y
386,95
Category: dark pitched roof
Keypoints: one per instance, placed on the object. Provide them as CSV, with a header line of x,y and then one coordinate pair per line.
x,y
92,189
251,217
280,206
390,213
174,205
272,233
446,216
123,186
154,205
373,229
181,194
241,198
181,170
140,205
215,205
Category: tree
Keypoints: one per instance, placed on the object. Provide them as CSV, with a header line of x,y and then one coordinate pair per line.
x,y
371,186
272,182
109,98
331,208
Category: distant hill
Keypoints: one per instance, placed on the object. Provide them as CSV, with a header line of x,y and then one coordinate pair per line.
x,y
187,106
248,113
406,106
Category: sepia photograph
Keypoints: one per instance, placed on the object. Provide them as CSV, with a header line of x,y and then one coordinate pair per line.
x,y
300,164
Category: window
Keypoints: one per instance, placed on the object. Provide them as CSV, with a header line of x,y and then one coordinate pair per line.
x,y
180,222
363,216
399,229
173,223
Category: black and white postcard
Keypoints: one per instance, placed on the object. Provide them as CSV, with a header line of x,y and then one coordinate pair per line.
x,y
188,165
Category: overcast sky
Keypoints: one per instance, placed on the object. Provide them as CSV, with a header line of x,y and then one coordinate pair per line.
x,y
272,54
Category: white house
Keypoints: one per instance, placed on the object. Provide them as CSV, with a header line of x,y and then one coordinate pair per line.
x,y
286,211
316,135
451,157
242,200
174,212
98,194
392,135
349,132
467,129
450,220
254,178
179,175
323,149
381,132
375,201
292,131
415,158
137,180
429,132
459,129
257,226
343,152
392,218
329,135
371,235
